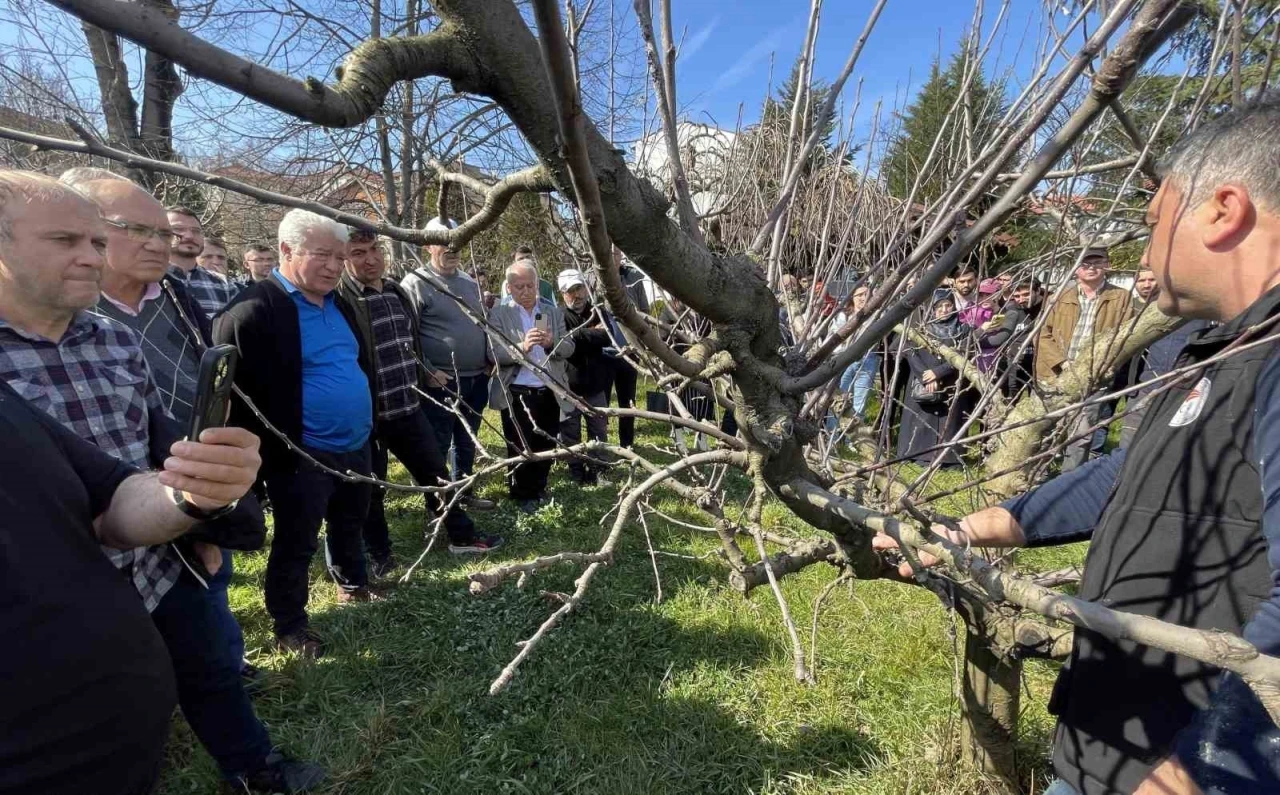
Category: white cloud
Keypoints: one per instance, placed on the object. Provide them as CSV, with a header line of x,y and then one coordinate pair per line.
x,y
748,60
699,38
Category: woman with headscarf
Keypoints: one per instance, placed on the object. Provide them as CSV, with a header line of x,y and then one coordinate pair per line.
x,y
936,405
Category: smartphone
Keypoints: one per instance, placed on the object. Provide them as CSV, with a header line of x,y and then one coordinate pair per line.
x,y
541,321
213,389
997,318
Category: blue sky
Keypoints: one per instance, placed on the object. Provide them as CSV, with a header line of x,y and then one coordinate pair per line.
x,y
728,47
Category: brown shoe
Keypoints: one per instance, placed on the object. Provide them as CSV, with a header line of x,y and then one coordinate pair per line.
x,y
304,642
361,594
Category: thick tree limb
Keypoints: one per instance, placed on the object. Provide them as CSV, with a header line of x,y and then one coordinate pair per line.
x,y
1075,383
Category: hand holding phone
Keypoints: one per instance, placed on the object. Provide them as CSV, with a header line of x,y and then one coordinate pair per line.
x,y
213,389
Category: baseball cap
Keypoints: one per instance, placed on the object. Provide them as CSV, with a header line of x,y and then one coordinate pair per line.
x,y
570,278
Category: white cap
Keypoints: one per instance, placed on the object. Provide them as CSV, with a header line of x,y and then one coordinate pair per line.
x,y
437,225
570,278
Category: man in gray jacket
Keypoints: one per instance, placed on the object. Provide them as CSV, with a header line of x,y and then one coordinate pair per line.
x,y
458,351
530,410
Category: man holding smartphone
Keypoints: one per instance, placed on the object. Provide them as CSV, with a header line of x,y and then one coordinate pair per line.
x,y
88,373
530,409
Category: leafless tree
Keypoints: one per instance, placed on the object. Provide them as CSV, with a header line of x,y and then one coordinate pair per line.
x,y
713,222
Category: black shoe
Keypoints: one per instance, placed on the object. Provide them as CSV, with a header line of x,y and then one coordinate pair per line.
x,y
305,642
471,502
279,773
382,565
476,546
528,506
254,677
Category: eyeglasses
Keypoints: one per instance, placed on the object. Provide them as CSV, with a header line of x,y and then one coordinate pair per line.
x,y
142,233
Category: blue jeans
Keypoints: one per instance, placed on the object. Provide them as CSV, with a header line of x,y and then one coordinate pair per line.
x,y
1060,787
210,690
860,377
228,627
473,391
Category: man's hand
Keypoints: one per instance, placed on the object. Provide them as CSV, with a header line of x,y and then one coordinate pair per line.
x,y
1168,778
438,379
217,470
928,377
880,541
534,337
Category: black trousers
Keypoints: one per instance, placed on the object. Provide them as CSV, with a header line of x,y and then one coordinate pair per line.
x,y
530,424
414,443
302,500
625,378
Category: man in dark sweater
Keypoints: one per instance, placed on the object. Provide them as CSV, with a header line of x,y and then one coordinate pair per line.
x,y
305,365
1185,523
386,318
590,373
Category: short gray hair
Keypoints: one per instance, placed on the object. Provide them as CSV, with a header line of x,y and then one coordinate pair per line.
x,y
1240,146
297,223
28,186
521,264
80,176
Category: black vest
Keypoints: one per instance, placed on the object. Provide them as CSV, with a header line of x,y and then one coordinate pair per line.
x,y
1180,540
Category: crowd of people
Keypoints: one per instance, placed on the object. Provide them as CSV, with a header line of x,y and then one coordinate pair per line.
x,y
108,300
988,333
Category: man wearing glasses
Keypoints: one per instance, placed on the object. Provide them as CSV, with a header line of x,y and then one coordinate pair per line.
x,y
1090,307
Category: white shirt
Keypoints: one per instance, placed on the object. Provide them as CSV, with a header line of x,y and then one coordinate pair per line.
x,y
538,355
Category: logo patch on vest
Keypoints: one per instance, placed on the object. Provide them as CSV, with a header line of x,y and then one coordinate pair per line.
x,y
1192,405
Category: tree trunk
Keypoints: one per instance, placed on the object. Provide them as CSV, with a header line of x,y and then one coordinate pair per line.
x,y
990,691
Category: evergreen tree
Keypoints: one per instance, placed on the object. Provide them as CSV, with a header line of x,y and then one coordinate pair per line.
x,y
777,109
930,117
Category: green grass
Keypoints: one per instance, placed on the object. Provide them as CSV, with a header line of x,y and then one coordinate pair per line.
x,y
693,694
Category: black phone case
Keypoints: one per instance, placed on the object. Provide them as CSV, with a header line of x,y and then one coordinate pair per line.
x,y
213,389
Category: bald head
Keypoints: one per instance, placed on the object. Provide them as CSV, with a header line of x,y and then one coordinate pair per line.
x,y
137,235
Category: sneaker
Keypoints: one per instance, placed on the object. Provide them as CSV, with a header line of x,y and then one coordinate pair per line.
x,y
305,642
477,546
362,593
382,565
279,773
254,677
471,502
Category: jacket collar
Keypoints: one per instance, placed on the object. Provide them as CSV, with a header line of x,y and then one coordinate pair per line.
x,y
1258,311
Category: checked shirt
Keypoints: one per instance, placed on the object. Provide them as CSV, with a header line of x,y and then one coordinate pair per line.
x,y
95,381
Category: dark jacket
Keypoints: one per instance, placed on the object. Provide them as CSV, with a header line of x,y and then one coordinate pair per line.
x,y
353,292
1181,540
590,370
262,322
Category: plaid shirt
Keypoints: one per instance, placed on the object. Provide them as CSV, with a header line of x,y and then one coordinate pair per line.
x,y
1084,325
95,381
397,376
211,291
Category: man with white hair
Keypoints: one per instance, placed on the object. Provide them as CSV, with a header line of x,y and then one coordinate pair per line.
x,y
530,410
457,349
305,365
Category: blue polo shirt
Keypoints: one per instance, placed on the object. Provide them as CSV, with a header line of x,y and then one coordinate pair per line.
x,y
337,409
